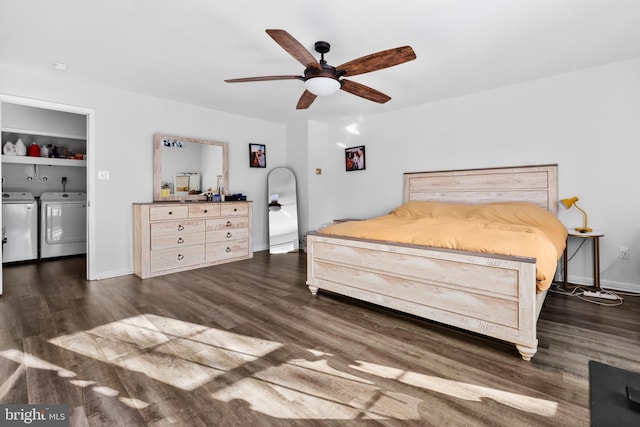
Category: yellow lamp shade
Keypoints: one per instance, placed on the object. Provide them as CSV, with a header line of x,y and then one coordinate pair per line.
x,y
569,202
572,202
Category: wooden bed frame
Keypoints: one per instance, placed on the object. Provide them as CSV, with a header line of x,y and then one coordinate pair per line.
x,y
494,295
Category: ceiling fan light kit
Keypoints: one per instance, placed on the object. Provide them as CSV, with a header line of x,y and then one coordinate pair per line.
x,y
322,86
321,79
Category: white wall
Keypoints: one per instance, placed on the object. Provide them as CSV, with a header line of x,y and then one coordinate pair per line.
x,y
586,122
298,162
306,152
124,126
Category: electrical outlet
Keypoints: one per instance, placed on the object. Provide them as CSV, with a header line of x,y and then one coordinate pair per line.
x,y
623,252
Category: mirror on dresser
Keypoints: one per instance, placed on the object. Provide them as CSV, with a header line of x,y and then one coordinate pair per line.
x,y
205,163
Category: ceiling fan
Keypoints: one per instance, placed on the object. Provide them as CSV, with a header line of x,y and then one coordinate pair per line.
x,y
322,79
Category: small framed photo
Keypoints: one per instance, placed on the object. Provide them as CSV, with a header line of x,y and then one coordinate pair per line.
x,y
257,156
354,158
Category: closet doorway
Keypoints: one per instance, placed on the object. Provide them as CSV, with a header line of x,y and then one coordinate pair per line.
x,y
66,137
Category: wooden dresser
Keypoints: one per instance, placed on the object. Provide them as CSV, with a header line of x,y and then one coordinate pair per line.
x,y
175,236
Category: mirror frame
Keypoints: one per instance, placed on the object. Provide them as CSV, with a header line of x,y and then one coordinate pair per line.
x,y
157,165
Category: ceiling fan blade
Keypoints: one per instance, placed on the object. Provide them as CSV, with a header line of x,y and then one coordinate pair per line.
x,y
363,91
378,61
294,48
263,79
305,100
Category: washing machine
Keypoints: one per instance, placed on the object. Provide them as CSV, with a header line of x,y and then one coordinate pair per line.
x,y
63,224
19,227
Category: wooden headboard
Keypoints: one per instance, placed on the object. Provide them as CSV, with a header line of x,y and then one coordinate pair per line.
x,y
534,184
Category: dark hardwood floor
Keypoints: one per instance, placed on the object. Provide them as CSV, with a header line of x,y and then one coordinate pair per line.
x,y
246,344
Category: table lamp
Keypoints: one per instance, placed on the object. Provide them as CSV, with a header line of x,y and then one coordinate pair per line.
x,y
572,202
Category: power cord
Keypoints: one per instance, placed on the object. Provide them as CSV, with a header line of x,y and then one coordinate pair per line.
x,y
579,292
628,294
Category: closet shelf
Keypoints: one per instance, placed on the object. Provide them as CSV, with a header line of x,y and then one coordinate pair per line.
x,y
28,160
43,133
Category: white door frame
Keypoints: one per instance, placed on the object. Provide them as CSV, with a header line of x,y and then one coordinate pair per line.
x,y
90,114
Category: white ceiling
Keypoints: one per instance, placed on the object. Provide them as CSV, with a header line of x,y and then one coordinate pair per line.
x,y
184,49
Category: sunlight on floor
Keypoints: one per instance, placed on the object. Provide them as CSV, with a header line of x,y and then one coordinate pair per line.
x,y
29,361
312,389
462,390
187,356
181,354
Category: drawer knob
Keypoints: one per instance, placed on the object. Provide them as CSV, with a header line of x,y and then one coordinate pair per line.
x,y
228,249
205,211
180,240
180,227
170,212
180,257
235,209
228,235
228,223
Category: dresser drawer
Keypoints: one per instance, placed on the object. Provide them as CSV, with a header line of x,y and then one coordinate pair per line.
x,y
167,259
177,227
227,223
204,210
224,235
228,209
230,249
163,213
177,241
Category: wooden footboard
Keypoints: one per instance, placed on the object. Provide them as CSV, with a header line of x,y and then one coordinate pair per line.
x,y
489,294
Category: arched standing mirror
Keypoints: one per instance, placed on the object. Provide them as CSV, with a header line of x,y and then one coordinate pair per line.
x,y
283,211
185,168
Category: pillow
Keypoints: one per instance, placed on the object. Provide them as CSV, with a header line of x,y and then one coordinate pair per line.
x,y
428,209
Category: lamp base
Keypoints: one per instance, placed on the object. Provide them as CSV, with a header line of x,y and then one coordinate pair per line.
x,y
584,229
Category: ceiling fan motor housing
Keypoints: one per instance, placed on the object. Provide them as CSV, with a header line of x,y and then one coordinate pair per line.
x,y
325,70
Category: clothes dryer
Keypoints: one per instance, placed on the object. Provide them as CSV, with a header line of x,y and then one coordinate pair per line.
x,y
19,227
63,224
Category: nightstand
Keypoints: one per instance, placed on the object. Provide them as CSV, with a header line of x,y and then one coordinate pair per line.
x,y
594,236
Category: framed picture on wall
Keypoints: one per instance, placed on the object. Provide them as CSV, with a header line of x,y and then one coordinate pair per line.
x,y
257,156
354,158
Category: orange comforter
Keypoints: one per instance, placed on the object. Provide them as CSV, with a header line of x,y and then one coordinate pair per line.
x,y
511,228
